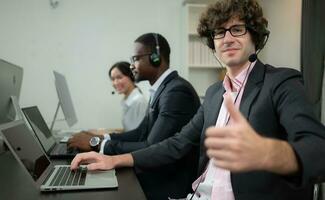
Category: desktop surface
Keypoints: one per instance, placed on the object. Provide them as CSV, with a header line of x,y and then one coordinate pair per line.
x,y
16,184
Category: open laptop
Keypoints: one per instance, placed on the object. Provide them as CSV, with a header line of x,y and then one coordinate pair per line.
x,y
52,148
47,176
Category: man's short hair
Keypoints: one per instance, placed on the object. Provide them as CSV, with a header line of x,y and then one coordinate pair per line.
x,y
223,10
149,41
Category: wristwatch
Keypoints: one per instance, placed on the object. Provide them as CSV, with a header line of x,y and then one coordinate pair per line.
x,y
94,143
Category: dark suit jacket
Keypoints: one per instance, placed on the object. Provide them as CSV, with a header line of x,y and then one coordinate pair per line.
x,y
174,104
275,105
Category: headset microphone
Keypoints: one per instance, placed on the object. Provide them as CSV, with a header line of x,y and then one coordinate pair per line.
x,y
113,92
252,57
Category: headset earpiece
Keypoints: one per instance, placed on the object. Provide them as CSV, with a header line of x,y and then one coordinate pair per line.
x,y
155,59
209,41
266,34
155,56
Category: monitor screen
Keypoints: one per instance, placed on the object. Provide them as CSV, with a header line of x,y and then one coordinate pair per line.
x,y
38,124
11,77
65,99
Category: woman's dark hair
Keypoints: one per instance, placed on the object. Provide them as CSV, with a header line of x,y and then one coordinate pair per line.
x,y
124,68
149,40
223,10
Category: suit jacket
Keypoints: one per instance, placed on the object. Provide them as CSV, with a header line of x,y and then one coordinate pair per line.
x,y
275,105
174,104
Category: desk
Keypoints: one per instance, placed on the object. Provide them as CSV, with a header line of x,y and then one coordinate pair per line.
x,y
15,184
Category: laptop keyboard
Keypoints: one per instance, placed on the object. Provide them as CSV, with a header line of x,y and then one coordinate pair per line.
x,y
61,149
65,176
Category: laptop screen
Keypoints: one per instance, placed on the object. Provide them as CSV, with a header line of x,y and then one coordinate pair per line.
x,y
21,141
39,126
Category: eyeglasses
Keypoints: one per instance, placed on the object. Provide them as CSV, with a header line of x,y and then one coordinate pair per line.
x,y
235,31
137,57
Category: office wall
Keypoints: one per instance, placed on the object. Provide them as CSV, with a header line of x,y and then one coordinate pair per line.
x,y
81,39
283,46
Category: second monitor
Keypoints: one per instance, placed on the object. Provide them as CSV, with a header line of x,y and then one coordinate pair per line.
x,y
65,101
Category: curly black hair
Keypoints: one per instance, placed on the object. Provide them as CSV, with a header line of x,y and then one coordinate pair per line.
x,y
223,10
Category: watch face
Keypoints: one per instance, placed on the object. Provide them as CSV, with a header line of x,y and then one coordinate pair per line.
x,y
94,141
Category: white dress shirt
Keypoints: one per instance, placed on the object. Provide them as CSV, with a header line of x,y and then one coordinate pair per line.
x,y
153,89
134,109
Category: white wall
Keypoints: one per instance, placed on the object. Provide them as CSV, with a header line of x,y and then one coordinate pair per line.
x,y
81,39
283,46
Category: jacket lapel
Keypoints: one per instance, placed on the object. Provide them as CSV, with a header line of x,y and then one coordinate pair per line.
x,y
252,88
170,77
214,106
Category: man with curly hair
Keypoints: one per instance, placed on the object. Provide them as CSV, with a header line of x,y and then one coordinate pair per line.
x,y
258,136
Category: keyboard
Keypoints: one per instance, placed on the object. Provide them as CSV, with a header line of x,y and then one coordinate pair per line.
x,y
61,149
65,176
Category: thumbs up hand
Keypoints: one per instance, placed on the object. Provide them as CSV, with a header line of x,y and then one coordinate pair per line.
x,y
237,147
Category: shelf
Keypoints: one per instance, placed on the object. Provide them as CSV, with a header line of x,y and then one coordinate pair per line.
x,y
193,34
199,66
202,67
198,2
195,11
194,6
199,54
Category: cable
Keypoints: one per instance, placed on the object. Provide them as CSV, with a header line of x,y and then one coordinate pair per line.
x,y
200,181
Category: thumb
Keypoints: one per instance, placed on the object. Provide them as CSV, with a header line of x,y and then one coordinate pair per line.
x,y
233,111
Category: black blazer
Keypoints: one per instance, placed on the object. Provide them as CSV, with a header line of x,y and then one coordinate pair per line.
x,y
275,104
174,104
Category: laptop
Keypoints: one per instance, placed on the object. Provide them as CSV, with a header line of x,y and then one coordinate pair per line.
x,y
49,177
50,145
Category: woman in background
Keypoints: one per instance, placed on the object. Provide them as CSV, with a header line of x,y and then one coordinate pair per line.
x,y
134,103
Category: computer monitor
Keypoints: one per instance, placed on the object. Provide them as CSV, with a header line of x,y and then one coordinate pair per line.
x,y
11,77
65,101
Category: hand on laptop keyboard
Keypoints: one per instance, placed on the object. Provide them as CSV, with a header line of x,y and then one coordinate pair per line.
x,y
95,161
65,139
81,141
72,150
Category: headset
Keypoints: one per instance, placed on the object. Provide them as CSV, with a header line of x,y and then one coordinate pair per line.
x,y
155,56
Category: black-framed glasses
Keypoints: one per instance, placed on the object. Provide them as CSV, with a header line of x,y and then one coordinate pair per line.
x,y
235,31
137,57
